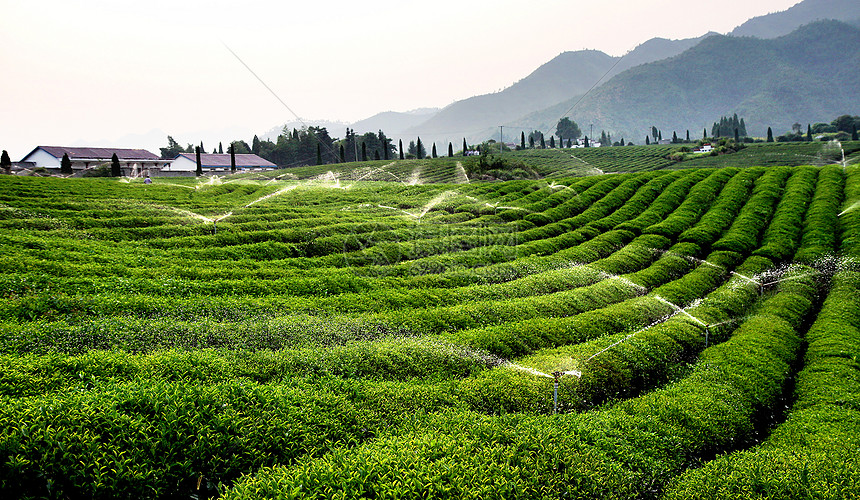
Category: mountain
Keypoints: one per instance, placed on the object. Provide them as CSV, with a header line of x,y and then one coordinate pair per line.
x,y
568,74
392,122
807,76
783,23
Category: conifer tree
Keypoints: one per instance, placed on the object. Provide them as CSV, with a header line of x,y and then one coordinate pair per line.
x,y
400,147
232,159
199,170
220,149
115,170
769,134
659,135
622,141
522,140
647,141
434,150
531,142
737,136
743,128
319,154
255,145
585,143
704,134
552,142
385,149
363,151
66,165
465,147
5,162
342,160
674,137
809,132
688,136
542,141
450,150
420,152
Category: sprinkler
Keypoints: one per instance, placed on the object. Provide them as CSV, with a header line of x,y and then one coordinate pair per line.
x,y
707,334
557,376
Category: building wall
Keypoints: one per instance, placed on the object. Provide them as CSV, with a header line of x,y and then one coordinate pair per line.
x,y
42,158
181,164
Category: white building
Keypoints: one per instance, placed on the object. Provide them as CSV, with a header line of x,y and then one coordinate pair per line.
x,y
213,163
133,162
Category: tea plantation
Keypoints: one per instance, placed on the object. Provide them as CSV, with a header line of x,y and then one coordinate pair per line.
x,y
344,337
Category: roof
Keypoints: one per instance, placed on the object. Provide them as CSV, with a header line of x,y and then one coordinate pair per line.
x,y
223,160
96,153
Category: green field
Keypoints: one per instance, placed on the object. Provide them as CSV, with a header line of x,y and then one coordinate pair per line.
x,y
579,162
332,337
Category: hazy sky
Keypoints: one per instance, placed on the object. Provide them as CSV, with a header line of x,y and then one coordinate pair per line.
x,y
92,72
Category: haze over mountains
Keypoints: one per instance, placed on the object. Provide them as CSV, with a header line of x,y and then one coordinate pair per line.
x,y
806,76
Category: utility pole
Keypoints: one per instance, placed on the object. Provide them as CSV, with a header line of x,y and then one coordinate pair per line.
x,y
501,127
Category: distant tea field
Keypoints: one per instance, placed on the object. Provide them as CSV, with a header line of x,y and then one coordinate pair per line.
x,y
680,334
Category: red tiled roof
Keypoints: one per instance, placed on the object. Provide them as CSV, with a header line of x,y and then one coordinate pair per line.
x,y
99,153
223,160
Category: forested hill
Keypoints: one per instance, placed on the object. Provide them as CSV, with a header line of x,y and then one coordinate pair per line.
x,y
801,77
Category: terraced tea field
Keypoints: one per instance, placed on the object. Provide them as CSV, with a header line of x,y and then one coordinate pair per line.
x,y
346,338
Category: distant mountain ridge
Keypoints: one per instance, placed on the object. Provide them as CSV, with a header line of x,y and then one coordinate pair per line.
x,y
782,23
809,75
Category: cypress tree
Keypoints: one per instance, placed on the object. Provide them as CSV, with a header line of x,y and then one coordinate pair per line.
x,y
465,147
220,149
5,162
66,165
450,150
688,136
363,151
809,132
115,170
586,142
674,137
737,136
232,159
522,140
560,141
255,145
542,141
400,148
199,171
622,141
704,134
385,149
769,134
743,128
419,150
434,150
342,160
659,135
319,154
552,142
647,141
531,142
